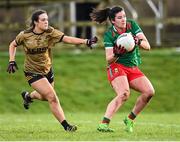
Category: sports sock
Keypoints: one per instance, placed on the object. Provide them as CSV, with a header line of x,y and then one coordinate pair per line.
x,y
28,97
65,124
105,120
132,116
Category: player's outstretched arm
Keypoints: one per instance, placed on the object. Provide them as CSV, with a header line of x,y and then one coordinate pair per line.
x,y
12,66
74,40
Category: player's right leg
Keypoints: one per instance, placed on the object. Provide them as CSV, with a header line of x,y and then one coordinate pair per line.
x,y
43,87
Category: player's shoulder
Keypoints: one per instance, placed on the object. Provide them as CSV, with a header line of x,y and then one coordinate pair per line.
x,y
50,29
27,32
109,31
23,34
131,21
132,24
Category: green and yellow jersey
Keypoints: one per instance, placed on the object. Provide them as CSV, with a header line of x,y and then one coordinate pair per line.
x,y
37,49
130,58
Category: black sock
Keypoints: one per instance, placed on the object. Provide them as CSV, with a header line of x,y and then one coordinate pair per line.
x,y
65,124
28,97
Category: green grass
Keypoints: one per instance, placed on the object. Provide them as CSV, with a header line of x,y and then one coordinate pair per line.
x,y
148,127
84,92
81,82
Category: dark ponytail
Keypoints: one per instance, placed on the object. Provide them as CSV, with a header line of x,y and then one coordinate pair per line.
x,y
101,16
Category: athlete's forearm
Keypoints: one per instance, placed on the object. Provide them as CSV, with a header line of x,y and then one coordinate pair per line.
x,y
145,45
12,51
74,40
111,59
143,41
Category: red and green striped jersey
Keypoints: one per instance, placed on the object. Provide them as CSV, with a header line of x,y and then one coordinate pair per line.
x,y
130,58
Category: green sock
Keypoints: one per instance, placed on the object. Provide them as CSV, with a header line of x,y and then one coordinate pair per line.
x,y
132,116
106,120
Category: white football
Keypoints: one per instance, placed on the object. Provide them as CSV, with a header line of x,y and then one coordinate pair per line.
x,y
126,40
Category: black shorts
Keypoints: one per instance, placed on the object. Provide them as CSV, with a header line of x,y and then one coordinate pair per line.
x,y
32,77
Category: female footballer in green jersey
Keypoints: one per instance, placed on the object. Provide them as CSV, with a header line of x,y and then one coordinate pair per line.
x,y
37,42
123,72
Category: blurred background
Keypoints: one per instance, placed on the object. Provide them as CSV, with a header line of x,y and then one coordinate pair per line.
x,y
80,74
158,18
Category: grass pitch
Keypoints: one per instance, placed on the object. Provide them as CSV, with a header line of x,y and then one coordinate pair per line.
x,y
82,85
44,127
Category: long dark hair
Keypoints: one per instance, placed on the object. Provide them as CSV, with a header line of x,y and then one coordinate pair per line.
x,y
35,17
101,16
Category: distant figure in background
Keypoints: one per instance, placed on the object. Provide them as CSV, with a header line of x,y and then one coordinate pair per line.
x,y
123,72
37,42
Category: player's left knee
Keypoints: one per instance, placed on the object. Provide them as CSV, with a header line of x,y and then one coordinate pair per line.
x,y
148,98
150,94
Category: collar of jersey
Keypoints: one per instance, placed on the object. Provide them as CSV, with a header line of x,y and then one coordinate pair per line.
x,y
38,33
114,28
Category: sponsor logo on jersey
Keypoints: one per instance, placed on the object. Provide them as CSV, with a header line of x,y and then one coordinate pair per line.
x,y
36,50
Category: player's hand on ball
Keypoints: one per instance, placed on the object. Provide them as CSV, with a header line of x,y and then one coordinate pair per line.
x,y
91,42
137,40
119,50
12,67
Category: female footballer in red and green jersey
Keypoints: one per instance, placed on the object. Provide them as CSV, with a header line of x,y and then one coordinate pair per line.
x,y
37,42
123,72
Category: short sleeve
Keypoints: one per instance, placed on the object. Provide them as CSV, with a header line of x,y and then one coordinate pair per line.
x,y
57,36
19,38
108,42
136,28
